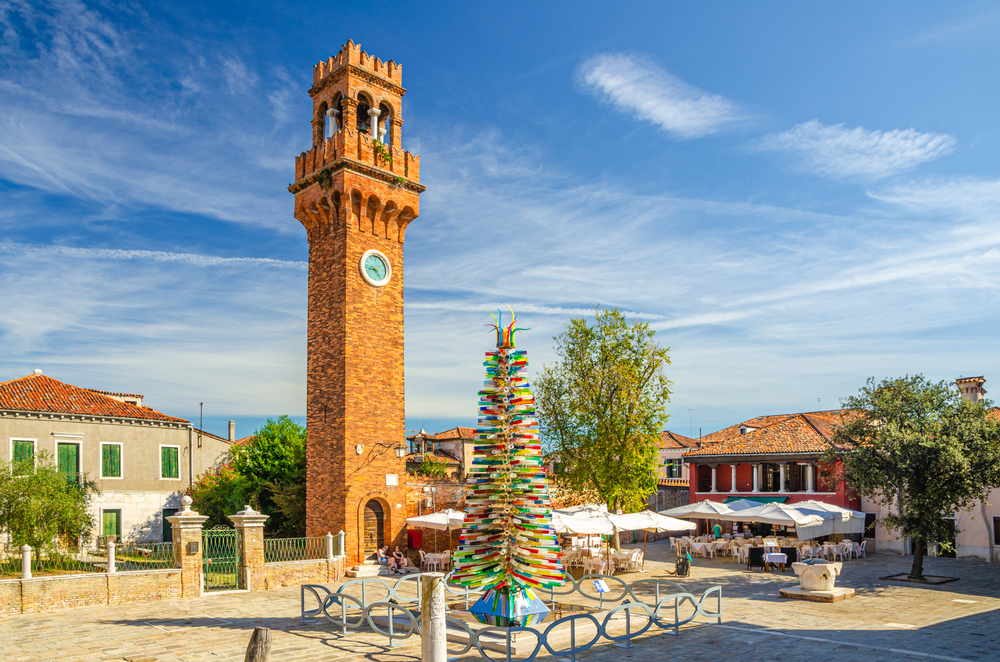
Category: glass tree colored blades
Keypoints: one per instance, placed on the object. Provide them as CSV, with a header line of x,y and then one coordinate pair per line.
x,y
508,544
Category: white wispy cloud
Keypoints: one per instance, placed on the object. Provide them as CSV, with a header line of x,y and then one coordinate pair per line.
x,y
87,116
765,307
239,78
839,152
650,93
151,256
967,197
179,328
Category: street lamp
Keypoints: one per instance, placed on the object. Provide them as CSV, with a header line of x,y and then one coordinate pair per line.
x,y
401,451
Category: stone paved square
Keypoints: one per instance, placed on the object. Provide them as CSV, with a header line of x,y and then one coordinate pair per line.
x,y
886,621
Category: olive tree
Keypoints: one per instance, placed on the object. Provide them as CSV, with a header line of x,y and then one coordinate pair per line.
x,y
39,505
921,451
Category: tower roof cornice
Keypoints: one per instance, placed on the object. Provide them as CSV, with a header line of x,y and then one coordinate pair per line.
x,y
358,167
357,72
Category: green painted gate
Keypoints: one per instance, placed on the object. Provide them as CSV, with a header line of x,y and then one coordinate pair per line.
x,y
220,559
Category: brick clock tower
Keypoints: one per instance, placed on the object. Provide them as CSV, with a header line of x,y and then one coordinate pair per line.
x,y
356,191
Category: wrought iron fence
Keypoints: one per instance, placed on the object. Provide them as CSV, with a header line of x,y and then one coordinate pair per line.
x,y
10,562
53,561
294,549
392,611
144,556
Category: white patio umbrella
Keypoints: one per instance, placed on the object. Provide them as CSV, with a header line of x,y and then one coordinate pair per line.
x,y
582,526
850,521
443,520
698,510
743,504
808,524
647,521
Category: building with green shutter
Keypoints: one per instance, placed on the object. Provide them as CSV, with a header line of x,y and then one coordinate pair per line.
x,y
142,459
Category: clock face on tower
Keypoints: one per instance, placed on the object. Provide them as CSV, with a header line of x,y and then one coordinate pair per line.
x,y
375,268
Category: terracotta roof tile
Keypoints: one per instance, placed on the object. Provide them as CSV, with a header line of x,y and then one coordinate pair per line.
x,y
452,433
788,433
670,439
40,393
438,457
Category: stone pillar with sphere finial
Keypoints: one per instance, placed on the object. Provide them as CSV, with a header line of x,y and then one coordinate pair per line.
x,y
250,529
186,526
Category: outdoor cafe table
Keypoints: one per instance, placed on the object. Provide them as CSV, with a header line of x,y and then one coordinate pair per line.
x,y
444,560
776,559
704,548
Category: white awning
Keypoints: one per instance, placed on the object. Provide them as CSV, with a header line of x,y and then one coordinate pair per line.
x,y
807,523
647,520
443,520
699,510
850,521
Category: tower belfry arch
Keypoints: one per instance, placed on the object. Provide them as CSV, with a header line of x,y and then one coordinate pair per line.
x,y
356,192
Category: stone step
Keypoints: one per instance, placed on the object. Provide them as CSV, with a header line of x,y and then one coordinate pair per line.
x,y
372,570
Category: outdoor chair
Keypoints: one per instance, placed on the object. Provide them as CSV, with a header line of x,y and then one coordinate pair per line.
x,y
861,550
428,564
755,558
792,553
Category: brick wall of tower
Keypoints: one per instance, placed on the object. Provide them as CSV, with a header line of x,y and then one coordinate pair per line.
x,y
355,357
352,199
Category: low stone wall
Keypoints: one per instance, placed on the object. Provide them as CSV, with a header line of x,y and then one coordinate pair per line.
x,y
294,573
10,597
29,596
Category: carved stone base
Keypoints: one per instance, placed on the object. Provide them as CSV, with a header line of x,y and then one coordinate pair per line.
x,y
835,594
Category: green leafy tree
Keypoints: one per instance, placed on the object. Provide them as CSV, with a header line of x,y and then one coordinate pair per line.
x,y
602,405
922,451
268,472
433,468
40,507
222,491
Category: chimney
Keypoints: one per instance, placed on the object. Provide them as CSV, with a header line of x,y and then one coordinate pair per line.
x,y
971,388
232,431
38,371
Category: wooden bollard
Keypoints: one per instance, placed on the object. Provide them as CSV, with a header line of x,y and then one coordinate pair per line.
x,y
259,648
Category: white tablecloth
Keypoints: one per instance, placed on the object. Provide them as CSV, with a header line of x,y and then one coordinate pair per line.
x,y
443,559
775,558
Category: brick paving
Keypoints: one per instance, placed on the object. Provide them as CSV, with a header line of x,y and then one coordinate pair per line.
x,y
886,621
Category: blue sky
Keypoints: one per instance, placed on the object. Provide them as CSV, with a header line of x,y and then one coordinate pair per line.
x,y
796,196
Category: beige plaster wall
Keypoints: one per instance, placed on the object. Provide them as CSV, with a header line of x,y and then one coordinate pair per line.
x,y
975,530
140,449
141,494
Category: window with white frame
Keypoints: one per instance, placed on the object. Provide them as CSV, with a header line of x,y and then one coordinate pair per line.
x,y
170,466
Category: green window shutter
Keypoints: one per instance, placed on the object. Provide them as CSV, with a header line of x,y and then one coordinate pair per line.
x,y
68,461
24,451
168,463
111,461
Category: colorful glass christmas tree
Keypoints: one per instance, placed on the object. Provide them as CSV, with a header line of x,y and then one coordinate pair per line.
x,y
508,544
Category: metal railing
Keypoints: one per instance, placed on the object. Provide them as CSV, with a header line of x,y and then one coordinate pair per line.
x,y
10,562
26,562
391,611
144,556
51,561
294,549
